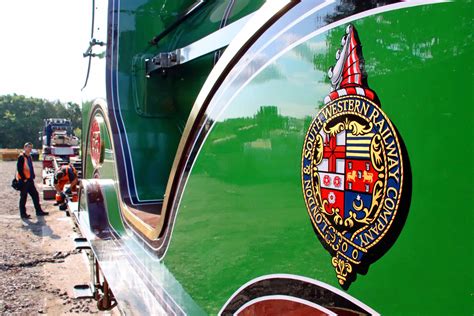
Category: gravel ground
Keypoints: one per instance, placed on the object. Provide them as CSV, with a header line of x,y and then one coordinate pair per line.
x,y
38,264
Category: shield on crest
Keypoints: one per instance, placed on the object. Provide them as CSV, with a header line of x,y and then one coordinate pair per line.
x,y
352,166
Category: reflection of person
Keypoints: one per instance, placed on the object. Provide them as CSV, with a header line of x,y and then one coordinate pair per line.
x,y
26,176
49,133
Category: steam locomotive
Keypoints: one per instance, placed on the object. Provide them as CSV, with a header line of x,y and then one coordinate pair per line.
x,y
279,157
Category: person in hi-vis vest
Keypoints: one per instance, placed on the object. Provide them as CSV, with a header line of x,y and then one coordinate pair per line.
x,y
26,176
66,174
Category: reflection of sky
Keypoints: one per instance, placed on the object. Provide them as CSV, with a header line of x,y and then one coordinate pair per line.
x,y
291,83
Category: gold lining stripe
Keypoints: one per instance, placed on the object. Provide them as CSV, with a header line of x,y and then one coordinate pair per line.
x,y
358,141
362,155
259,20
352,148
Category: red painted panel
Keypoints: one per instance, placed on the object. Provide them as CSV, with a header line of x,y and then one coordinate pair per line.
x,y
280,307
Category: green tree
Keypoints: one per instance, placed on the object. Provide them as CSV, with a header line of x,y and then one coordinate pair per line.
x,y
21,118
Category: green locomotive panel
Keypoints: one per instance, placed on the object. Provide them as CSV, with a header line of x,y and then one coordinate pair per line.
x,y
241,215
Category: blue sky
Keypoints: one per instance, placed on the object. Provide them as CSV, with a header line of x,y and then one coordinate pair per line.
x,y
41,47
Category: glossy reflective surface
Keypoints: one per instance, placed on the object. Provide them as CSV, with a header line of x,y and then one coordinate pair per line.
x,y
242,214
165,99
243,208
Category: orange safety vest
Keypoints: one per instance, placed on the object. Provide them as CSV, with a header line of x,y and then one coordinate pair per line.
x,y
26,169
61,182
65,177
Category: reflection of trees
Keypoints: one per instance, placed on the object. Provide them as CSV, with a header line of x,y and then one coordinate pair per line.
x,y
259,147
401,41
345,8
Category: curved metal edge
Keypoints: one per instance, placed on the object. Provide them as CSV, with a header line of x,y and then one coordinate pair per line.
x,y
296,286
153,236
97,218
99,106
197,122
260,22
119,264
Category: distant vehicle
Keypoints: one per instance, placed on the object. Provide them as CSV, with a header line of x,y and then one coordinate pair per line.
x,y
35,154
60,146
58,140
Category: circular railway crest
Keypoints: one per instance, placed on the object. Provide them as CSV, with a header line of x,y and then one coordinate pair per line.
x,y
352,166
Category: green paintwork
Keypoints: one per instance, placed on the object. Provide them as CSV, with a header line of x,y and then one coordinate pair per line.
x,y
106,170
165,100
243,215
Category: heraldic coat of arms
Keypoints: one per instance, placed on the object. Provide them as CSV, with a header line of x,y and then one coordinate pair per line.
x,y
352,168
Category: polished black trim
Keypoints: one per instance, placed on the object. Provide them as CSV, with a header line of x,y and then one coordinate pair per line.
x,y
226,86
297,288
204,121
190,149
195,7
125,169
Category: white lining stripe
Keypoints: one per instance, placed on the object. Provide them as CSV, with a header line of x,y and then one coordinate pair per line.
x,y
304,279
113,105
361,15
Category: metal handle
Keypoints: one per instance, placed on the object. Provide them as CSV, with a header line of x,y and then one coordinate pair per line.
x,y
93,42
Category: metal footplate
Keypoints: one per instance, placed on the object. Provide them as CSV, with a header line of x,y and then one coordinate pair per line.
x,y
83,291
81,243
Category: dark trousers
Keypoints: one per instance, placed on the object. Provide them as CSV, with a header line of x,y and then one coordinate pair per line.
x,y
29,188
